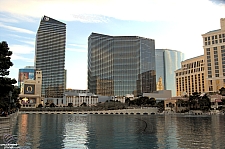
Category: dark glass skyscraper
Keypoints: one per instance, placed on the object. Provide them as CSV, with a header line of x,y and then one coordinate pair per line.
x,y
50,56
120,65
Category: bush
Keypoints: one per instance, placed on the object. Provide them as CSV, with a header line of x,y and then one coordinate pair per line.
x,y
52,105
40,106
70,104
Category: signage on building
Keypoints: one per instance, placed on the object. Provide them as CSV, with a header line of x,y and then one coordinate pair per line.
x,y
29,89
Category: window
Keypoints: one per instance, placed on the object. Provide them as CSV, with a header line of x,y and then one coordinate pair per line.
x,y
215,36
216,41
222,47
212,37
219,35
216,71
216,67
205,43
223,35
217,75
205,38
212,42
208,49
208,38
214,48
220,40
208,42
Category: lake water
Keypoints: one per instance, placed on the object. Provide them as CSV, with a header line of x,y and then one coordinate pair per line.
x,y
56,131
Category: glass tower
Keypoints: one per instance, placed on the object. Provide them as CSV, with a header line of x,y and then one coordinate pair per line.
x,y
121,65
50,56
167,62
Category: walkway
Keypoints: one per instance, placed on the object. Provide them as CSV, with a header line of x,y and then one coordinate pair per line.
x,y
144,111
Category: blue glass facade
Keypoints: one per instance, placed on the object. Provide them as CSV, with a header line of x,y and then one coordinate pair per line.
x,y
120,65
167,61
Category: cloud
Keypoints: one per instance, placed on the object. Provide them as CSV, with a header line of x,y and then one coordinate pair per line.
x,y
21,49
101,10
78,45
90,18
25,59
17,29
76,50
218,1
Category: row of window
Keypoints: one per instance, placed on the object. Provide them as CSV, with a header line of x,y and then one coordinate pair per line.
x,y
214,37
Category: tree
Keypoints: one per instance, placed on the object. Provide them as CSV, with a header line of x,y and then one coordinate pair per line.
x,y
52,105
127,101
6,84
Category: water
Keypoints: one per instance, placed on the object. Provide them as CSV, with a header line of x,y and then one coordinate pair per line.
x,y
56,131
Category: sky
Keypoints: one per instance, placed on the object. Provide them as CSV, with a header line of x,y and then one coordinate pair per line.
x,y
173,24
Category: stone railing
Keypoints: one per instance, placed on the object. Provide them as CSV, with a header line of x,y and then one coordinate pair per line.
x,y
7,124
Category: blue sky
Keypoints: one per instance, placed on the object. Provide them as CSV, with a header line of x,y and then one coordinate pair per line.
x,y
173,24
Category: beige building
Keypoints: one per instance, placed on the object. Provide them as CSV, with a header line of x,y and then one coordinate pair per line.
x,y
176,104
30,91
214,54
190,78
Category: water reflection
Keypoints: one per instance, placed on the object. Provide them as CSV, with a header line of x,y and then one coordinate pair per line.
x,y
119,131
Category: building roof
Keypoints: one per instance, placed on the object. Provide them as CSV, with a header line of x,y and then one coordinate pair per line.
x,y
213,31
97,34
50,20
193,58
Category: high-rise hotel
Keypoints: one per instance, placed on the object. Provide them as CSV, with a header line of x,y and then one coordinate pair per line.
x,y
50,56
205,73
121,65
214,55
190,77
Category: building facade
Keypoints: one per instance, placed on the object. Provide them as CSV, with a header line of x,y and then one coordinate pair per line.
x,y
79,97
26,73
50,56
214,53
120,65
167,61
191,77
30,91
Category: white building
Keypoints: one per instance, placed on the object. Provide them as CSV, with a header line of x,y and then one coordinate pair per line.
x,y
78,97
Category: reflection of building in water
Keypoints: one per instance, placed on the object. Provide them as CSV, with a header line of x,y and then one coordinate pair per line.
x,y
197,132
30,91
38,128
75,132
166,132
